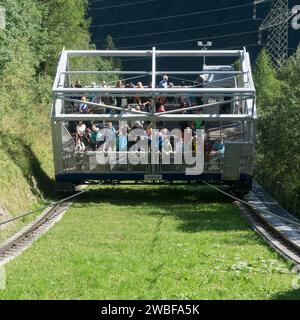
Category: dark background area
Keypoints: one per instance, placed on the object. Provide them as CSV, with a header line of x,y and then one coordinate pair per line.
x,y
204,20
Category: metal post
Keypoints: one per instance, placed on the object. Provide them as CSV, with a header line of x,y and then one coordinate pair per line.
x,y
204,48
153,84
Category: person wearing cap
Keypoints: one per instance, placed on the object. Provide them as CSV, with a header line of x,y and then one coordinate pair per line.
x,y
164,82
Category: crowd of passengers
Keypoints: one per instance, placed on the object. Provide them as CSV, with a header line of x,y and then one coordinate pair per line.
x,y
92,137
88,136
141,103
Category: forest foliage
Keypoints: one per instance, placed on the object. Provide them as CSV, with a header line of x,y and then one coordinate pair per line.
x,y
278,140
35,33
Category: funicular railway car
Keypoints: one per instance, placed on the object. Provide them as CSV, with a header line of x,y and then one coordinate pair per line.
x,y
175,129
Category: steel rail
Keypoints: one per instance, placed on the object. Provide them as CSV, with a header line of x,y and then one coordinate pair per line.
x,y
23,239
282,244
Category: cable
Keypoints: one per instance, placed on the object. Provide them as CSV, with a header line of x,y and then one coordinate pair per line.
x,y
170,17
190,40
251,205
42,208
246,45
241,46
177,30
123,5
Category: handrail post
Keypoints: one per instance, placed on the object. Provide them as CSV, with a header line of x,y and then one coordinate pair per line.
x,y
153,84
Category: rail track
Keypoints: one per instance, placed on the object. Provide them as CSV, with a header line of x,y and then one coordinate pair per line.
x,y
14,246
272,236
22,240
282,244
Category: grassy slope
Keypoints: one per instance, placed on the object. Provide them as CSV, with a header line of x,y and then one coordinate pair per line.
x,y
35,33
26,166
178,243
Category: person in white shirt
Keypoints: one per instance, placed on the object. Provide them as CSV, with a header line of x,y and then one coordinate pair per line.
x,y
80,132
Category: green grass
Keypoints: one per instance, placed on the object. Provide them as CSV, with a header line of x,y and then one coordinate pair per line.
x,y
150,243
26,167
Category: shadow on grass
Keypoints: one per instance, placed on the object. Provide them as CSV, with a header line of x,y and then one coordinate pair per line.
x,y
198,207
290,295
22,155
154,195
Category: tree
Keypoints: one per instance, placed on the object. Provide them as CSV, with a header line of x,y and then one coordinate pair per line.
x,y
278,137
110,45
268,87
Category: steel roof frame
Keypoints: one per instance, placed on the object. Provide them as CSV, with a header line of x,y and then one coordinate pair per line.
x,y
247,92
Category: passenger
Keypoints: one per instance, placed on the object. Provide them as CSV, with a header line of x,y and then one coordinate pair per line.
x,y
136,146
146,103
149,131
122,139
130,100
148,135
143,102
161,108
86,138
219,146
194,101
167,146
178,143
162,100
83,107
110,136
137,99
80,129
185,100
166,143
140,85
164,82
97,99
80,146
95,138
119,99
111,127
78,84
80,132
137,124
159,141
